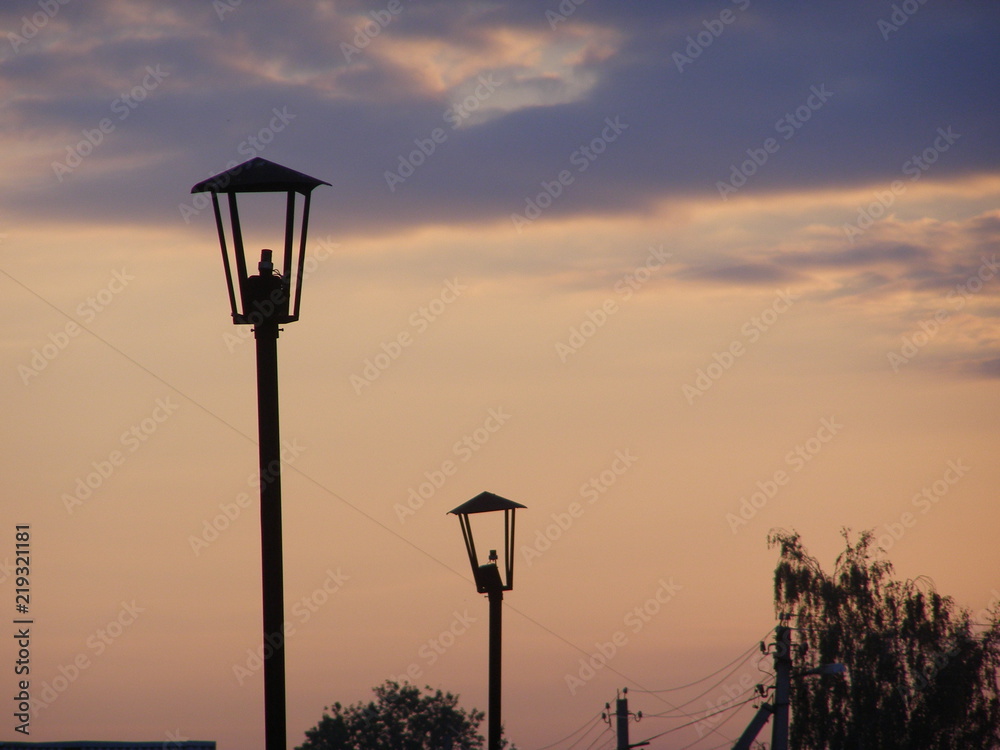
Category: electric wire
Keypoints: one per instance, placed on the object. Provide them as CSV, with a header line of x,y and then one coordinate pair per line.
x,y
695,715
597,739
587,725
727,743
746,657
690,723
742,656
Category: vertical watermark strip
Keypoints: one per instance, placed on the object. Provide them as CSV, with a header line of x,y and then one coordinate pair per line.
x,y
22,626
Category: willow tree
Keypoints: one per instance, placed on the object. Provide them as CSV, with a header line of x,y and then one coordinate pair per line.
x,y
920,673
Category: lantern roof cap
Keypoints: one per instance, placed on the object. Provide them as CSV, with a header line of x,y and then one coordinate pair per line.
x,y
485,502
258,176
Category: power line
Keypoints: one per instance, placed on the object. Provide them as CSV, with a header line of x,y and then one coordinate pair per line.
x,y
741,657
587,725
696,716
727,743
690,723
597,739
746,658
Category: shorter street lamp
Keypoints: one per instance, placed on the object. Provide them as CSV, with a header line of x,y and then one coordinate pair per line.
x,y
489,582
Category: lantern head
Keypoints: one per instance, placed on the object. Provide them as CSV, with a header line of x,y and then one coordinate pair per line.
x,y
487,575
271,296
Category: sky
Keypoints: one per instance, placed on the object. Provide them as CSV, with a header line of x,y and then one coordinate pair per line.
x,y
669,275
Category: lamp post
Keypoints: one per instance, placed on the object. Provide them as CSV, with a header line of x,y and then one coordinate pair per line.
x,y
266,300
489,582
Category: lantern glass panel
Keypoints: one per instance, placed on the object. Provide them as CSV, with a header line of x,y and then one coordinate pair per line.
x,y
260,205
488,533
263,225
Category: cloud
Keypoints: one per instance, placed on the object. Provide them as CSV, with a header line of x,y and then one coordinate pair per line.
x,y
988,368
939,285
743,274
862,256
355,120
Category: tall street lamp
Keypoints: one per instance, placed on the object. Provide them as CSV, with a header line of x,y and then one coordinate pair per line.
x,y
266,300
489,582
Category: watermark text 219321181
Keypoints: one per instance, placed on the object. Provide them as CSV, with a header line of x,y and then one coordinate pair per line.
x,y
22,626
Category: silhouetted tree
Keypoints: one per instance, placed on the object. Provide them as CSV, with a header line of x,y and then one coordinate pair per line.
x,y
919,675
400,718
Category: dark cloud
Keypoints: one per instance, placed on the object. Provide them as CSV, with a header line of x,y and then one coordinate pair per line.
x,y
742,274
987,368
841,104
864,255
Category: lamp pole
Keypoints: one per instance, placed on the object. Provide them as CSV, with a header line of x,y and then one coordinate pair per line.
x,y
494,593
265,301
272,576
488,581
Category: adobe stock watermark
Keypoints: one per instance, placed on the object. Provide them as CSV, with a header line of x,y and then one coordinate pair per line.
x,y
174,740
303,611
434,648
986,613
249,148
924,501
229,513
223,8
123,107
634,621
901,14
454,115
730,693
751,331
624,289
928,328
87,311
462,450
795,460
787,126
97,643
581,158
419,321
699,42
915,167
375,23
319,251
32,25
562,12
131,441
592,490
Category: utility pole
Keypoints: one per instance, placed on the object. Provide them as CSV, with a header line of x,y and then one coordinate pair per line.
x,y
782,690
621,709
782,686
621,715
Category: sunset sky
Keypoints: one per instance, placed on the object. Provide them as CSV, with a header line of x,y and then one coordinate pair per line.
x,y
671,275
